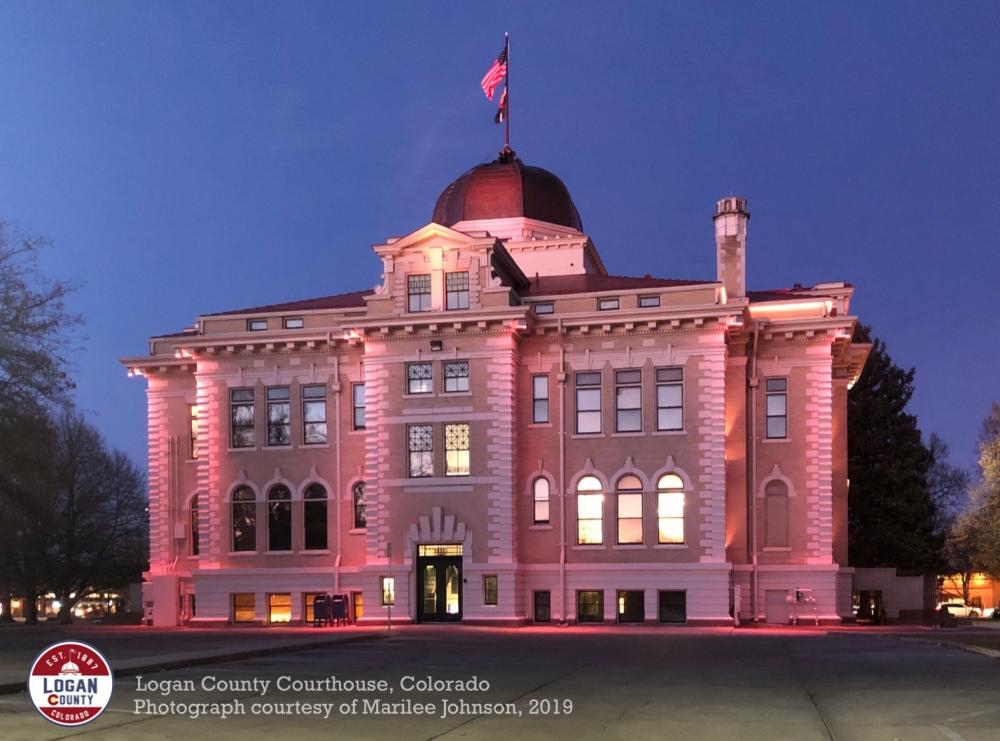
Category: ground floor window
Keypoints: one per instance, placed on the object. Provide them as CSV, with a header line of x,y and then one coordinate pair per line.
x,y
388,590
359,605
631,606
673,607
244,607
490,596
308,599
279,608
590,606
543,606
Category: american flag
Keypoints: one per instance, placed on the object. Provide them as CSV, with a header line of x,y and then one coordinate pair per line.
x,y
495,75
502,110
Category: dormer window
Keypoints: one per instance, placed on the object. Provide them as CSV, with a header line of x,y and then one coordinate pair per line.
x,y
456,290
418,292
256,325
294,322
608,304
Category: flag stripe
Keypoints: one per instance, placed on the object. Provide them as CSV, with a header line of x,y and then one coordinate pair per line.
x,y
495,74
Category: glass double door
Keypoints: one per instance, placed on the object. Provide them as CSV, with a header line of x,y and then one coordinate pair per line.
x,y
439,584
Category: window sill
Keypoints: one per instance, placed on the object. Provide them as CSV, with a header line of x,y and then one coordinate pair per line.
x,y
668,432
671,546
534,425
776,549
590,547
278,447
312,446
361,431
428,395
629,547
252,449
771,440
448,394
540,527
241,554
279,553
635,433
357,531
316,552
587,435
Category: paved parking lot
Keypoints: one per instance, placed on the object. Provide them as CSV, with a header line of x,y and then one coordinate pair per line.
x,y
622,684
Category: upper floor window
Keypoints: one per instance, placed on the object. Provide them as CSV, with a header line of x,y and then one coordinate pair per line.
x,y
540,496
243,511
419,378
279,419
670,508
649,302
628,401
418,292
256,325
540,399
193,419
358,404
608,304
314,518
358,499
629,509
241,418
456,450
589,511
279,518
195,527
293,322
314,415
670,398
420,447
776,514
456,376
588,402
777,407
456,290
546,307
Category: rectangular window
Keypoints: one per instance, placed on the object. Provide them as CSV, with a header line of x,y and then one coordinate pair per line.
x,y
670,516
279,608
241,418
244,607
456,450
590,519
456,376
419,378
420,444
279,420
631,606
588,403
193,417
628,401
543,606
256,325
590,606
545,308
608,304
673,607
490,589
630,517
314,415
456,287
418,292
388,584
669,398
649,302
293,322
358,403
777,407
539,399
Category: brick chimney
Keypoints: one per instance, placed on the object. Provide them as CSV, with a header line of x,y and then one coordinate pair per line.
x,y
731,216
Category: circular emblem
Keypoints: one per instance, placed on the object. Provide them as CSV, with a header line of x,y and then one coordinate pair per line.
x,y
70,683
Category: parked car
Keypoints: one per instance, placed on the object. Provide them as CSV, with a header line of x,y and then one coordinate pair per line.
x,y
959,610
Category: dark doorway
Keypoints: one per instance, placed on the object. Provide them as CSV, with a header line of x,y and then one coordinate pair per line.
x,y
631,607
439,583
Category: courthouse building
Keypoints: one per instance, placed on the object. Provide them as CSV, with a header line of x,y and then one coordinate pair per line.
x,y
503,432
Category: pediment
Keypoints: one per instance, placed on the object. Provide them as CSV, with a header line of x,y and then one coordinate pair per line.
x,y
432,234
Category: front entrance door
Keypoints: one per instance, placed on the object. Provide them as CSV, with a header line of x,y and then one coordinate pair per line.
x,y
439,583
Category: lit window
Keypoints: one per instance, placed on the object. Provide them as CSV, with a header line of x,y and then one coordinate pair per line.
x,y
589,511
545,308
588,403
590,606
670,509
193,416
294,322
649,302
244,607
777,407
419,378
776,514
629,509
314,518
279,427
457,290
539,399
490,584
314,415
669,398
420,445
456,376
279,608
628,401
244,516
279,518
418,290
608,304
358,401
388,590
195,527
456,450
241,418
631,606
358,498
540,495
256,325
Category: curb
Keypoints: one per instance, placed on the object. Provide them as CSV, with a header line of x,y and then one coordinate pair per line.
x,y
10,688
992,653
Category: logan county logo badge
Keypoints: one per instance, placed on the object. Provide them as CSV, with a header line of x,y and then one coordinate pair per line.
x,y
70,683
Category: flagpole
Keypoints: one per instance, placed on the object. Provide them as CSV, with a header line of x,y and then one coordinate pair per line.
x,y
506,38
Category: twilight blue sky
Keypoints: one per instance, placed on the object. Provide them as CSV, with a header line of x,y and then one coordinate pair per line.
x,y
190,157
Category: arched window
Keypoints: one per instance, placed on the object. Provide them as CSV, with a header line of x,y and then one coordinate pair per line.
x,y
244,513
670,508
314,518
776,514
279,518
358,496
540,495
589,511
195,530
629,509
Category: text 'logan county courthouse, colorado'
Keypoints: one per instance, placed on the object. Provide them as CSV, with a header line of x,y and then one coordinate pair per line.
x,y
503,432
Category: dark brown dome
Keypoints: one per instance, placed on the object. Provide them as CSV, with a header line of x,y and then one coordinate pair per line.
x,y
507,188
